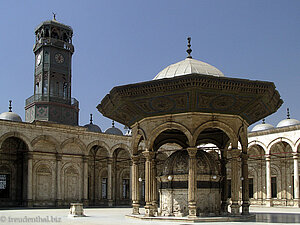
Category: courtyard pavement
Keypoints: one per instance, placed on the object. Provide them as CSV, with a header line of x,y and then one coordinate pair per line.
x,y
116,216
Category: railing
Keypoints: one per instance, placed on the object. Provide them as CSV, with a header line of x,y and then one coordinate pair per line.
x,y
51,98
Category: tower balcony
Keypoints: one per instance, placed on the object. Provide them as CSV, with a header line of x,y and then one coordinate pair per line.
x,y
52,98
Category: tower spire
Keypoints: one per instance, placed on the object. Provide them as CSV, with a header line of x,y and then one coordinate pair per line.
x,y
288,113
10,107
54,16
189,50
91,118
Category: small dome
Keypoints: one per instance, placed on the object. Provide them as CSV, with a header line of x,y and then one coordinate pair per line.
x,y
114,130
188,66
92,127
10,115
288,121
262,126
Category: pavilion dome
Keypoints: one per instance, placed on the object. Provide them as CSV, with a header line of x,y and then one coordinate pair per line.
x,y
188,66
288,121
10,115
262,126
114,130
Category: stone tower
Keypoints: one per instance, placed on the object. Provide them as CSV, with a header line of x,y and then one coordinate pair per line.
x,y
52,99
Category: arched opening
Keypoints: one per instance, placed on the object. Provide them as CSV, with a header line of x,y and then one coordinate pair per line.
x,y
122,177
13,172
97,176
170,136
257,180
281,156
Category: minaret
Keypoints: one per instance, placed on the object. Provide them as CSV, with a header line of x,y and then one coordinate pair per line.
x,y
52,99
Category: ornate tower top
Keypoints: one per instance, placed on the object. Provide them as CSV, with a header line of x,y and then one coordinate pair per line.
x,y
189,50
52,99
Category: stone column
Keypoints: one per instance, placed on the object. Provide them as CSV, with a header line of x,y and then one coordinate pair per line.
x,y
154,186
135,185
192,188
149,212
29,180
58,201
85,180
268,179
245,184
296,181
109,181
235,208
224,186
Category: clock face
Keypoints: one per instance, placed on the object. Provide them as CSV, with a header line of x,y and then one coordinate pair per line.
x,y
39,59
59,58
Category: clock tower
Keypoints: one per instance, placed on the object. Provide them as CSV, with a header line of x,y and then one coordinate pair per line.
x,y
52,101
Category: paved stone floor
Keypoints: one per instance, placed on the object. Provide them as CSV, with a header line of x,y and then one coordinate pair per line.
x,y
116,216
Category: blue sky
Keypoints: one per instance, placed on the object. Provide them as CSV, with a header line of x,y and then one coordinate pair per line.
x,y
122,42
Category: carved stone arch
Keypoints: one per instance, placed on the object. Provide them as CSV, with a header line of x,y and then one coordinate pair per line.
x,y
140,134
98,143
167,126
259,143
278,140
243,137
46,138
77,142
17,135
215,124
120,146
297,146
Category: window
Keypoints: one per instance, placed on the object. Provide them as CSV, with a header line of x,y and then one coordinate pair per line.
x,y
251,188
143,190
273,187
104,188
4,185
229,188
125,188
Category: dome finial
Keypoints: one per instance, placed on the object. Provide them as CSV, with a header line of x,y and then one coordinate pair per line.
x,y
113,123
91,118
10,107
189,50
288,113
54,16
263,121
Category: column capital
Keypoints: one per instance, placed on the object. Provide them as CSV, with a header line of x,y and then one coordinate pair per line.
x,y
109,160
268,157
192,151
29,155
295,155
235,152
135,159
85,158
58,156
244,156
148,155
